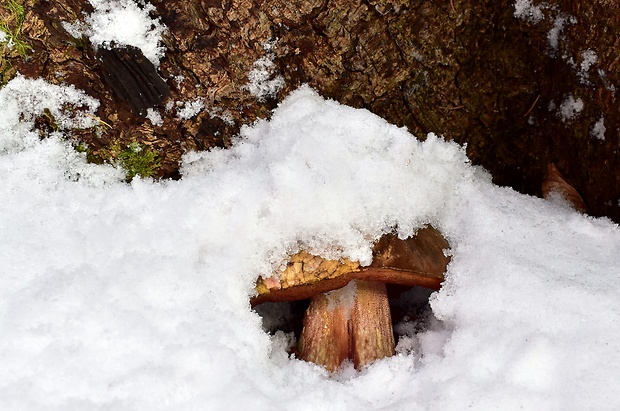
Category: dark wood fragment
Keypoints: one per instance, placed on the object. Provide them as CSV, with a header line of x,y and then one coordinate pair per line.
x,y
133,78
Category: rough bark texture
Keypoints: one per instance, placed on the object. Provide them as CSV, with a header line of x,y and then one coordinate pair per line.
x,y
469,70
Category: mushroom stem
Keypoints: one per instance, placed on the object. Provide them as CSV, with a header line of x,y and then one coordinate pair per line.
x,y
324,339
371,324
353,322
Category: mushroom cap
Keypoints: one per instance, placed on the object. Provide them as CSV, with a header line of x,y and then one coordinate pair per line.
x,y
416,261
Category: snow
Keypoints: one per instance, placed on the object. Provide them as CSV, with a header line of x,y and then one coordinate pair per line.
x,y
588,59
123,22
135,296
603,76
525,10
23,100
599,129
554,35
154,117
190,109
187,110
264,82
570,108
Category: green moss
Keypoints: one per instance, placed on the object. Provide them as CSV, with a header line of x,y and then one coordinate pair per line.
x,y
137,159
50,121
12,25
7,71
81,147
12,46
80,43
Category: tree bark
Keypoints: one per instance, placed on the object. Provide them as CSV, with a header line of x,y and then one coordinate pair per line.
x,y
469,70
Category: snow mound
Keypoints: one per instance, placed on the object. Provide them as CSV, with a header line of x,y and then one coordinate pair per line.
x,y
136,296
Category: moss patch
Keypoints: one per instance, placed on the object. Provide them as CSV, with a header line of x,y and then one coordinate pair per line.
x,y
12,44
135,158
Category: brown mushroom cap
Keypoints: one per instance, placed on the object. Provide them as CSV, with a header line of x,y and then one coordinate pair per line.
x,y
417,261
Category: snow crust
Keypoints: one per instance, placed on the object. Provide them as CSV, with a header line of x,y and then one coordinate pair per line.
x,y
123,22
135,297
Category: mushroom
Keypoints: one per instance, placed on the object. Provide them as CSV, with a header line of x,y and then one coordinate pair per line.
x,y
349,315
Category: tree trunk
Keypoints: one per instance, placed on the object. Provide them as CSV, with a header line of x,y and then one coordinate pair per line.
x,y
510,86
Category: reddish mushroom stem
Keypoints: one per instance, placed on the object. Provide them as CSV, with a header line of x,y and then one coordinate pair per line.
x,y
352,323
372,337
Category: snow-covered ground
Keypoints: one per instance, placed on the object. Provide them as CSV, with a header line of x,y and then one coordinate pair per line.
x,y
135,297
